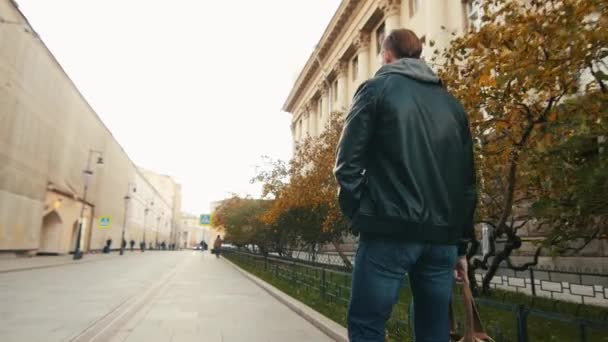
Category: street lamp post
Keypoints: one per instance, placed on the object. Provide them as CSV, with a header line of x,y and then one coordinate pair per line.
x,y
158,229
87,175
145,223
124,223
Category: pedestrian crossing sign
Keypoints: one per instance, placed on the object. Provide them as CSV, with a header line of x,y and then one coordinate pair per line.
x,y
105,222
204,220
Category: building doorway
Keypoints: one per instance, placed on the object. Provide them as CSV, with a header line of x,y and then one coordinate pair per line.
x,y
50,234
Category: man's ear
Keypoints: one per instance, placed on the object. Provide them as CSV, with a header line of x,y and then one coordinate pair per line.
x,y
388,57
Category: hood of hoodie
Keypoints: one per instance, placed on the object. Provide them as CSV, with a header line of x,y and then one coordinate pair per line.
x,y
412,68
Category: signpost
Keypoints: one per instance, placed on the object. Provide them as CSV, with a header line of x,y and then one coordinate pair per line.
x,y
105,222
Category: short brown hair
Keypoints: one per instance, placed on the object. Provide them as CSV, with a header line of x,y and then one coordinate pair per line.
x,y
403,43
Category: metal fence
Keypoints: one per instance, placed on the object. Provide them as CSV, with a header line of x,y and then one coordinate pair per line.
x,y
325,277
575,287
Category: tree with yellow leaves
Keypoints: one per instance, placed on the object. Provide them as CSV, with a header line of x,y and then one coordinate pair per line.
x,y
533,81
305,192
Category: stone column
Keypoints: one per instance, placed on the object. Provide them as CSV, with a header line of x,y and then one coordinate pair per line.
x,y
313,118
392,14
341,70
362,43
298,130
305,125
325,107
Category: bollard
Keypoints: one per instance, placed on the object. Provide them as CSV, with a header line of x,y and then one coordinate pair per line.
x,y
583,332
522,324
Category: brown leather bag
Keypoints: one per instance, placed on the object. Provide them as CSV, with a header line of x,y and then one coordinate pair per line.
x,y
473,329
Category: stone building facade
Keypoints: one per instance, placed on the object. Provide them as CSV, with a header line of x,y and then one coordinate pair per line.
x,y
348,52
49,135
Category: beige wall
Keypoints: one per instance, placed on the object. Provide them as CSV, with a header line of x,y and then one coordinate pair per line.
x,y
46,131
352,34
170,190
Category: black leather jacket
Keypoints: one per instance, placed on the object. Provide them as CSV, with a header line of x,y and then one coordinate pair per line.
x,y
405,160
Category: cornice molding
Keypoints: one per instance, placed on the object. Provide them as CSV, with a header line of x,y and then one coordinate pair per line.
x,y
343,16
362,41
341,68
390,7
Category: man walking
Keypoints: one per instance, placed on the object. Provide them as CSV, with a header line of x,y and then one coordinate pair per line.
x,y
407,182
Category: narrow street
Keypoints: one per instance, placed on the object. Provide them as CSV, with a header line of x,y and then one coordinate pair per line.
x,y
152,296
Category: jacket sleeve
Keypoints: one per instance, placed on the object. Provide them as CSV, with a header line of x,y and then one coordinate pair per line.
x,y
352,149
468,230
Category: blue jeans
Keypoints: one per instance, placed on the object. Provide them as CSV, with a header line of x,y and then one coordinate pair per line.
x,y
380,268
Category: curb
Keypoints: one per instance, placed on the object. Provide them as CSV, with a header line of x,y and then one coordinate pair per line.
x,y
63,263
330,328
30,268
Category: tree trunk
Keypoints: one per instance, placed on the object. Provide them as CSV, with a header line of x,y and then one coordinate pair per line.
x,y
511,245
345,260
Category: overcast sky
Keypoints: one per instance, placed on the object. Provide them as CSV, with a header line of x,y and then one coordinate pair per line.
x,y
190,88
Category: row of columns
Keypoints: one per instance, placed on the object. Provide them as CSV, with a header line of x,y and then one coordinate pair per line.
x,y
313,122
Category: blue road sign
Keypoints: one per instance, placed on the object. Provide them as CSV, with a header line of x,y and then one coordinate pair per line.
x,y
204,220
105,222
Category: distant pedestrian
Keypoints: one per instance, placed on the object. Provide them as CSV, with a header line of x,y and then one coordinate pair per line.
x,y
132,243
217,246
106,249
142,246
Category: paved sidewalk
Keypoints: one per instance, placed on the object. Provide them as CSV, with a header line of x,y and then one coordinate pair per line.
x,y
49,304
208,300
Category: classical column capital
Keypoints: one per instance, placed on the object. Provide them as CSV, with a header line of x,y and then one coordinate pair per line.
x,y
390,7
323,88
311,105
362,41
341,68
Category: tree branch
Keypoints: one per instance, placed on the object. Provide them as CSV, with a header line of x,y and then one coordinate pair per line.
x,y
526,265
586,241
597,78
518,227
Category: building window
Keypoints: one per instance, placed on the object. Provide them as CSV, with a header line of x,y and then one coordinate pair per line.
x,y
355,66
380,33
414,7
334,90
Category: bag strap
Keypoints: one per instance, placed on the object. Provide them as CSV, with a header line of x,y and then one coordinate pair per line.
x,y
474,329
469,311
454,335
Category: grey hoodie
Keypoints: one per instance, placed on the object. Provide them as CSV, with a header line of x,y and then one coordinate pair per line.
x,y
412,68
